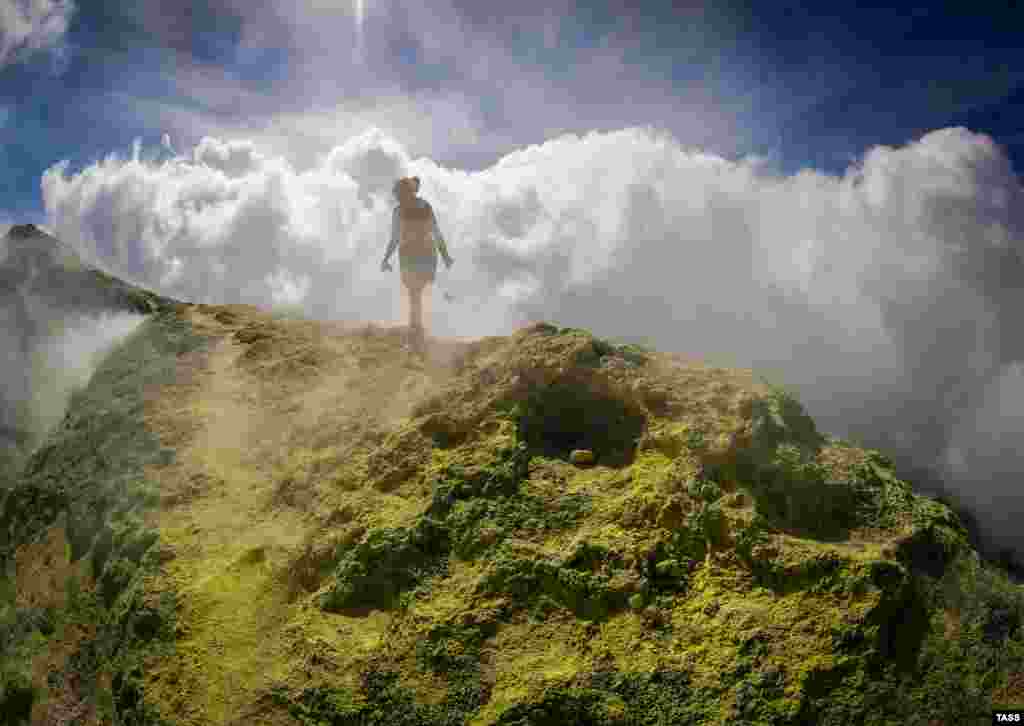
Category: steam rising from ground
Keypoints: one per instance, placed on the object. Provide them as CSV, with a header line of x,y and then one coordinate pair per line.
x,y
63,363
887,296
37,384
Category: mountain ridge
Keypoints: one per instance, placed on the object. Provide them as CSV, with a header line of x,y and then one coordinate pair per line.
x,y
44,284
248,518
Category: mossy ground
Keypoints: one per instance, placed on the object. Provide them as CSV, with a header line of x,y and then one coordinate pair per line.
x,y
75,549
346,534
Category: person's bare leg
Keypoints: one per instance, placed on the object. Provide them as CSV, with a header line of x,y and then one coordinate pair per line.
x,y
425,305
416,307
416,315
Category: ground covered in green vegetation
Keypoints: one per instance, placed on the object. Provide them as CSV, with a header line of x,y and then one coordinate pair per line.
x,y
78,505
424,551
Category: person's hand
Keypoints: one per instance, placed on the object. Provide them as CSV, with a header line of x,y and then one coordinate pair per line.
x,y
385,266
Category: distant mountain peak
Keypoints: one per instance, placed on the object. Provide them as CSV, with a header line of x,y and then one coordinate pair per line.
x,y
27,242
25,231
53,270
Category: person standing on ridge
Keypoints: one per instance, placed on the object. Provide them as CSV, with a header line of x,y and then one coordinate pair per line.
x,y
414,231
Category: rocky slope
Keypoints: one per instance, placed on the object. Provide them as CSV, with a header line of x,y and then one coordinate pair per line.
x,y
245,519
43,284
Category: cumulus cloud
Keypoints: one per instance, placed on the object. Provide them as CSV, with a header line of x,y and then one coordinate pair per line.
x,y
372,160
232,158
27,26
886,296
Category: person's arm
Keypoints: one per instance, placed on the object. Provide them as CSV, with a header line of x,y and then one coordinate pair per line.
x,y
441,246
395,230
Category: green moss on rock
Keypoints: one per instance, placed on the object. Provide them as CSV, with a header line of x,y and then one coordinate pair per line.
x,y
792,492
615,698
90,472
376,571
587,595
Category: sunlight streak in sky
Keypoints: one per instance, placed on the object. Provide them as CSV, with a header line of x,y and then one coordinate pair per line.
x,y
360,8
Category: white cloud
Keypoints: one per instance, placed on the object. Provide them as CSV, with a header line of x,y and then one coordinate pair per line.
x,y
569,213
371,160
887,296
233,158
31,25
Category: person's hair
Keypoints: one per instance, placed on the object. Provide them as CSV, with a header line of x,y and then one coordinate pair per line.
x,y
413,180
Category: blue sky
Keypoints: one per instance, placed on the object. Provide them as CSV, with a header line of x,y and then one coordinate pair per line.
x,y
807,86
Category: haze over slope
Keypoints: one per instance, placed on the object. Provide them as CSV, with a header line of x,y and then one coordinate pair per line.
x,y
886,296
58,318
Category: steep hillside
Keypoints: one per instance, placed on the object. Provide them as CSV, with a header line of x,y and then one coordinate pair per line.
x,y
43,286
251,520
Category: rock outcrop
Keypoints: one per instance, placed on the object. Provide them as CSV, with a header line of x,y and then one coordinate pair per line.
x,y
247,519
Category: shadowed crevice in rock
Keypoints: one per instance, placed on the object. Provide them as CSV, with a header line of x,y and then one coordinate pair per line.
x,y
566,416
